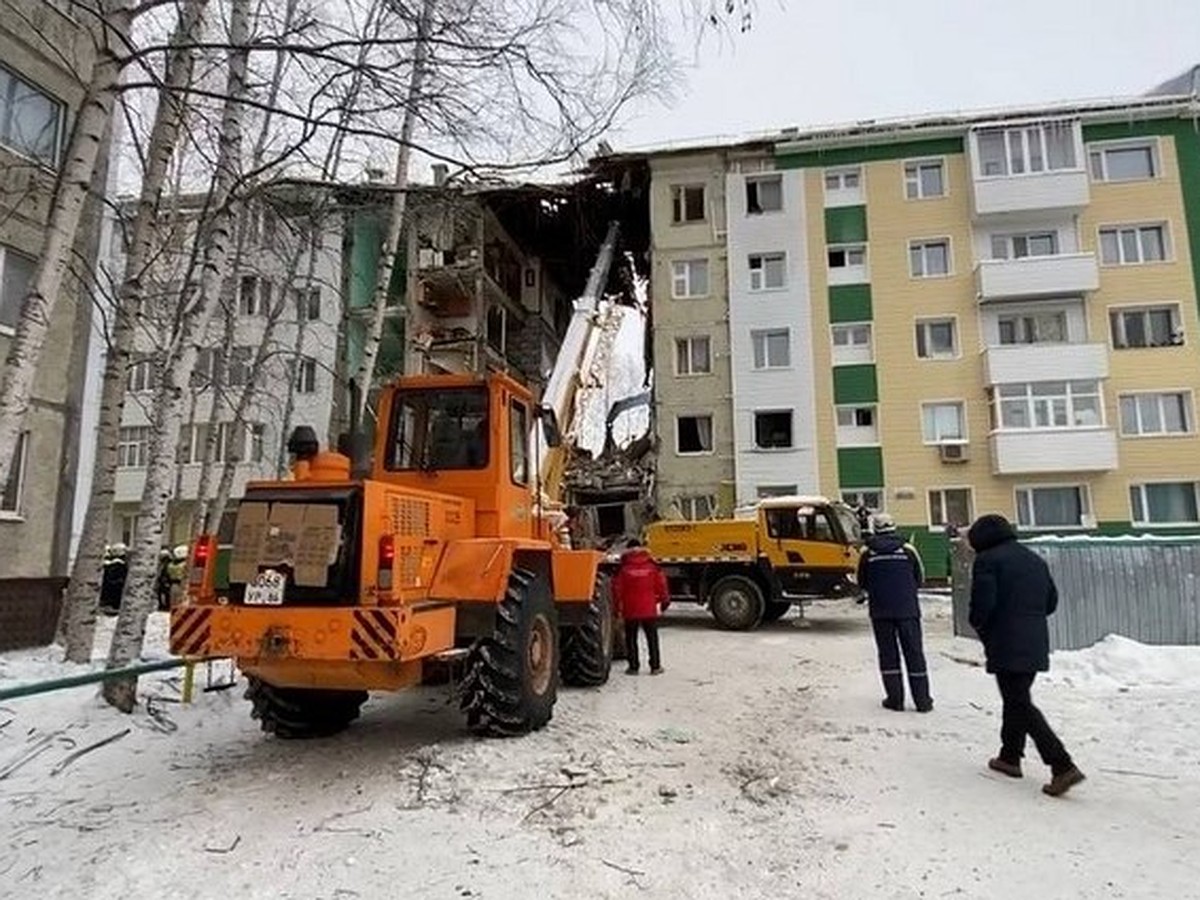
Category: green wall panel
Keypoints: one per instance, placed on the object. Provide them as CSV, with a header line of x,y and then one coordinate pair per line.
x,y
845,225
855,384
850,303
860,467
850,156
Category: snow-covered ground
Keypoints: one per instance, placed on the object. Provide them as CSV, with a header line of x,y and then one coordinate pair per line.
x,y
760,765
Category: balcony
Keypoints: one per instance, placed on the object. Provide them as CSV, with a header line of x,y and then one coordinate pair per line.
x,y
1053,450
1064,274
1045,362
1063,189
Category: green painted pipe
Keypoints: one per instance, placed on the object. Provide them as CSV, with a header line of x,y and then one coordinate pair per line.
x,y
56,684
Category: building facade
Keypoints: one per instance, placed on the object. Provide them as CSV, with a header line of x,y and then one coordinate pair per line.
x,y
45,56
946,317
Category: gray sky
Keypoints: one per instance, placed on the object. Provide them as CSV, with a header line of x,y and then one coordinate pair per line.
x,y
811,63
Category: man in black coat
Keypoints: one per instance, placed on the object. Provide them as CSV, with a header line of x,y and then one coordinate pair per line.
x,y
890,572
1012,593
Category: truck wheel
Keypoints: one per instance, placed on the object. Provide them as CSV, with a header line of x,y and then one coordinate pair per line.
x,y
302,712
587,648
736,603
775,610
512,676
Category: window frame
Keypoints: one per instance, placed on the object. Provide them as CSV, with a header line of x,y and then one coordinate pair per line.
x,y
764,333
1006,132
1141,486
834,346
688,340
923,322
1031,401
1011,237
1085,506
679,205
5,249
779,256
854,497
687,277
18,473
918,165
1122,309
54,164
841,195
963,419
518,442
839,408
306,376
690,500
133,441
758,179
773,411
1168,243
942,489
712,434
1102,148
1189,413
924,244
1023,318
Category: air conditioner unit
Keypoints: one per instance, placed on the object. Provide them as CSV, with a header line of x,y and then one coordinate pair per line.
x,y
953,453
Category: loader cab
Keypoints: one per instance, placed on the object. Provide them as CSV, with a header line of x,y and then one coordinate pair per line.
x,y
464,436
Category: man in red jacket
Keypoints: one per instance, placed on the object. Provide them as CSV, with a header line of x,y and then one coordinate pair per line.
x,y
639,590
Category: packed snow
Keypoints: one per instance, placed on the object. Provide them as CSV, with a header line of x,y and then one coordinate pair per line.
x,y
760,765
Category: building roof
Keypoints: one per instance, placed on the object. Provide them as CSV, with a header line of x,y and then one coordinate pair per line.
x,y
1187,83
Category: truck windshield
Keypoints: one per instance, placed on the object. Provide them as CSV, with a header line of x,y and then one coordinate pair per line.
x,y
439,429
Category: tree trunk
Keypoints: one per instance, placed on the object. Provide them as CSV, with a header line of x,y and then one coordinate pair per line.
x,y
91,124
143,570
366,370
79,615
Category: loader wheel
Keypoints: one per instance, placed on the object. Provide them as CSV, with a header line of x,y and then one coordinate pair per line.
x,y
587,648
736,603
775,610
302,712
512,676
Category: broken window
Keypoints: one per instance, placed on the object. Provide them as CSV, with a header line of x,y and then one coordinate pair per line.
x,y
773,430
687,203
694,434
764,194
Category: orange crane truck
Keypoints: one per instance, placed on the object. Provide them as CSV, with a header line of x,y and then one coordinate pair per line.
x,y
340,585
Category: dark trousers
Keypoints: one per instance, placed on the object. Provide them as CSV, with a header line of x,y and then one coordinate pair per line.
x,y
1022,718
650,627
893,637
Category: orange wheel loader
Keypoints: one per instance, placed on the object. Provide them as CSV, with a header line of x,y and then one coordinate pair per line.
x,y
345,582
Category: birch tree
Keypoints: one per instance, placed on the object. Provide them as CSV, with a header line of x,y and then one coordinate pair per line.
x,y
83,149
84,588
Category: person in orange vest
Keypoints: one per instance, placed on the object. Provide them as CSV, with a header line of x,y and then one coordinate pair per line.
x,y
639,593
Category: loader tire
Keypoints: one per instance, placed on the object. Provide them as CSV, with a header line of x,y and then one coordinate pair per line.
x,y
587,648
737,603
291,713
775,610
512,676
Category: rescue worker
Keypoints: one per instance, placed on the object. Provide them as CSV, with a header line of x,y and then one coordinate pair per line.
x,y
891,574
639,592
177,569
112,578
162,584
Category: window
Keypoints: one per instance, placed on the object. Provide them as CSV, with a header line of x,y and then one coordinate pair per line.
x,y
256,434
872,498
772,349
929,259
687,203
308,304
1030,150
1150,414
693,434
924,179
249,301
698,507
1034,328
142,376
1019,246
764,194
518,442
689,278
768,271
844,187
306,376
1165,503
133,447
765,491
436,429
942,422
937,339
852,344
16,273
1146,326
240,361
950,506
30,119
11,496
856,426
1125,162
693,356
206,368
1052,507
193,443
773,430
847,257
1049,404
129,527
1134,245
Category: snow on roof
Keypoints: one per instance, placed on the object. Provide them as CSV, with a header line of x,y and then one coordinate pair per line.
x,y
792,500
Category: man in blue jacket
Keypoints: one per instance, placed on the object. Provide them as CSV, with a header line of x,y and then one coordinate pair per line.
x,y
891,573
1012,593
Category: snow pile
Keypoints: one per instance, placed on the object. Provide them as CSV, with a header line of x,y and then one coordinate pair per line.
x,y
1118,663
44,663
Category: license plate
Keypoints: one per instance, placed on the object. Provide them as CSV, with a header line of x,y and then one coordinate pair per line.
x,y
266,589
